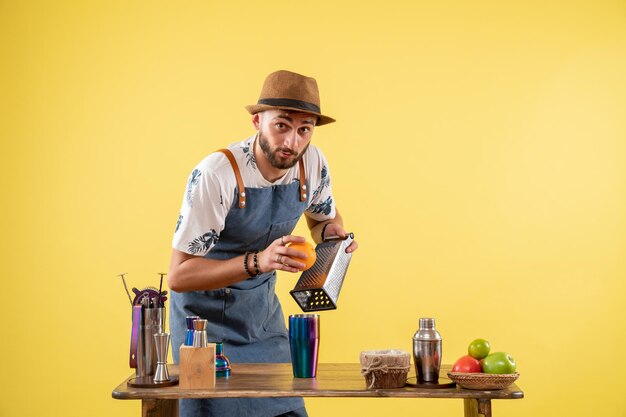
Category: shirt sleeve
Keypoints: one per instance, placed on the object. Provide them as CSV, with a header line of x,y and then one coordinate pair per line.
x,y
322,204
202,214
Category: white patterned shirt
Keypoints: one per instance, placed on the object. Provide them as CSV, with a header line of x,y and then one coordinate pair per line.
x,y
211,190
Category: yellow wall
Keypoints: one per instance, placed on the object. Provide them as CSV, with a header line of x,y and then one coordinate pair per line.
x,y
479,156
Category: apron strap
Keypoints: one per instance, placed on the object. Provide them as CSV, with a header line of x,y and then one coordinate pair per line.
x,y
240,186
233,163
302,181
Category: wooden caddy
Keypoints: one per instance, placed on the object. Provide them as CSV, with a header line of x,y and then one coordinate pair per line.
x,y
197,367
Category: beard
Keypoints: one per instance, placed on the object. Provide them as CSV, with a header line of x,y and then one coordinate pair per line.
x,y
278,161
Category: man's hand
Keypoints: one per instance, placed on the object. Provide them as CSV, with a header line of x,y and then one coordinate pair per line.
x,y
335,229
278,256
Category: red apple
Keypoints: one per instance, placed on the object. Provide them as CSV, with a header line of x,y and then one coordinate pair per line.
x,y
467,364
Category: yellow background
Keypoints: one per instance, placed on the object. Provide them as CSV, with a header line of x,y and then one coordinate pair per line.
x,y
479,156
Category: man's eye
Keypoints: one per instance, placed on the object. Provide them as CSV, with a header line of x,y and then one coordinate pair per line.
x,y
305,130
280,125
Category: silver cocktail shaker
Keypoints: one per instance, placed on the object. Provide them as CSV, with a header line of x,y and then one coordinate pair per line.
x,y
427,351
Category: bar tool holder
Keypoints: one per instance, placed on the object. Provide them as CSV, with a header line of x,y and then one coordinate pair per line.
x,y
148,323
197,367
153,322
319,286
427,351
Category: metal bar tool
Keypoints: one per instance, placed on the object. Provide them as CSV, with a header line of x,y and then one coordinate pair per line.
x,y
427,351
162,343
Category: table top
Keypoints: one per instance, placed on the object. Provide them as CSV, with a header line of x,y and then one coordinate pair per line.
x,y
258,380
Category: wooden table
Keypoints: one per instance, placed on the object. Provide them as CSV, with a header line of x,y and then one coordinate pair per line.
x,y
276,380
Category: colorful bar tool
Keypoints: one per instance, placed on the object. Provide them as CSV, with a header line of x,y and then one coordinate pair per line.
x,y
304,338
189,336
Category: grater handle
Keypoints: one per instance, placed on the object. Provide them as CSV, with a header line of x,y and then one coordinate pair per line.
x,y
337,238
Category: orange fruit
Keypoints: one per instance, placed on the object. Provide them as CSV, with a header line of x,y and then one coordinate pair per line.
x,y
307,248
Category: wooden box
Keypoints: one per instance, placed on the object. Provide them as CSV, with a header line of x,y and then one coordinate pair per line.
x,y
197,367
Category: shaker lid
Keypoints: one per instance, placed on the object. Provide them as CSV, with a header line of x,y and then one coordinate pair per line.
x,y
427,323
427,330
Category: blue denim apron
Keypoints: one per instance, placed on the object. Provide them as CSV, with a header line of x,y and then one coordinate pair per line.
x,y
247,315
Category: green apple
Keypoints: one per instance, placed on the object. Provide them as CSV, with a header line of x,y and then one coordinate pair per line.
x,y
498,363
478,349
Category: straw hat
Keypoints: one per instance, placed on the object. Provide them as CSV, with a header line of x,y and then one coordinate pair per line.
x,y
290,91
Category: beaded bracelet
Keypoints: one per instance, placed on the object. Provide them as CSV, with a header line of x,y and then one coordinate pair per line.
x,y
245,264
256,262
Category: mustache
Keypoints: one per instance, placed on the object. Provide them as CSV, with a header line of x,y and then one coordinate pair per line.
x,y
286,150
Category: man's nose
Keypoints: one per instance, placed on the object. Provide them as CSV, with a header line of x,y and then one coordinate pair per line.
x,y
291,139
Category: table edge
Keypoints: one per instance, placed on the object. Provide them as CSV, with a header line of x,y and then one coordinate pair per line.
x,y
123,392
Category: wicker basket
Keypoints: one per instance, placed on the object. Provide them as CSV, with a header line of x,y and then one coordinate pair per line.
x,y
481,380
385,368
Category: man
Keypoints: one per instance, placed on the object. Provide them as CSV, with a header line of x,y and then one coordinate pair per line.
x,y
238,212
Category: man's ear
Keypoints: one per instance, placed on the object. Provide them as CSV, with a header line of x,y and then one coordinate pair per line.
x,y
256,120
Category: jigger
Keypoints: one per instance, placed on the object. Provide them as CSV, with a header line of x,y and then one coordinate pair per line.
x,y
200,338
162,342
189,335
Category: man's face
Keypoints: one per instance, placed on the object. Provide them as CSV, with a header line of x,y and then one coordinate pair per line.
x,y
284,136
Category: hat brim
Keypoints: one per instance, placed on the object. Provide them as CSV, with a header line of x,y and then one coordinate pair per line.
x,y
256,108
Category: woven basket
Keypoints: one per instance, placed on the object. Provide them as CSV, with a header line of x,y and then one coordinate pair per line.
x,y
481,380
385,368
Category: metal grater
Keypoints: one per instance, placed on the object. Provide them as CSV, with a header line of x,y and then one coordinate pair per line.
x,y
318,287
